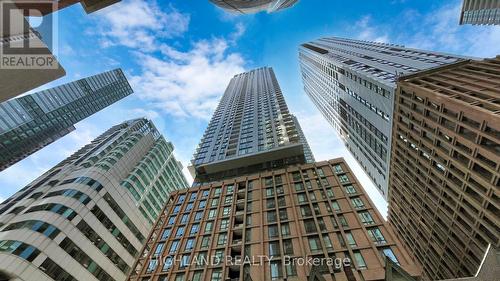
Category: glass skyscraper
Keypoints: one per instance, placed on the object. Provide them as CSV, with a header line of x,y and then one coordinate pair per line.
x,y
31,122
254,6
251,129
352,83
88,217
480,12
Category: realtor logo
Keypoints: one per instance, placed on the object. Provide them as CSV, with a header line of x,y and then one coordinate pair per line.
x,y
27,38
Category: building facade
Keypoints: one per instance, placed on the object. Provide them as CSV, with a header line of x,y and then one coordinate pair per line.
x,y
352,83
307,149
317,210
89,6
251,129
88,217
480,12
29,123
254,6
443,200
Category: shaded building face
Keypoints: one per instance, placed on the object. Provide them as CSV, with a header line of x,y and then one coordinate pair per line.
x,y
31,122
352,83
445,159
250,130
89,216
272,225
253,6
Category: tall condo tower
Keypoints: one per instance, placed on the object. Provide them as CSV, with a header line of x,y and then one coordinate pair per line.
x,y
254,6
251,129
31,122
307,149
480,12
445,167
319,212
87,218
352,83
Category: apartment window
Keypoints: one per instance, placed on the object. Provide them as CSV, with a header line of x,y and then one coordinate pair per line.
x,y
270,203
357,203
350,239
189,207
194,229
320,172
271,217
302,198
366,218
291,270
305,211
224,223
327,241
189,244
181,198
180,232
152,265
212,213
215,202
269,192
273,231
274,248
310,226
216,275
166,233
390,254
376,235
276,270
158,249
197,276
171,220
168,263
341,239
283,214
285,229
360,261
198,216
288,247
205,241
343,221
281,201
217,191
338,169
192,197
226,211
184,219
336,206
202,204
228,199
174,246
180,276
299,186
314,243
205,193
222,239
322,225
201,259
209,226
219,256
350,189
176,209
343,179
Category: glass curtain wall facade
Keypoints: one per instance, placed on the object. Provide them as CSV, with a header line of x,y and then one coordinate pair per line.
x,y
253,6
480,12
352,83
31,122
88,217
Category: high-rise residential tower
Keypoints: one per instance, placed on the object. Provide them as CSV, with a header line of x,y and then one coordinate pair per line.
x,y
254,6
264,226
307,149
480,12
445,163
88,217
251,129
31,122
352,83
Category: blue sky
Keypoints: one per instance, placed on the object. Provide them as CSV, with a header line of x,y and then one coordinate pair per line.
x,y
179,57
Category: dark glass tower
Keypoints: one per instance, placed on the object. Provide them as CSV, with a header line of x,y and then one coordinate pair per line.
x,y
31,122
254,6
